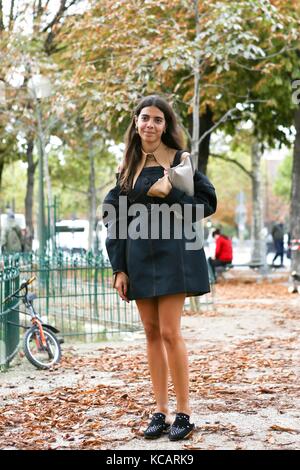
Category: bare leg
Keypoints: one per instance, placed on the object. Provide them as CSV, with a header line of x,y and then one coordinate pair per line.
x,y
170,311
157,357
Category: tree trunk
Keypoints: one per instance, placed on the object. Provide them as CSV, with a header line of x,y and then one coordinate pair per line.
x,y
295,196
196,112
42,143
92,200
206,122
257,255
29,194
199,124
1,17
49,192
11,15
1,171
196,97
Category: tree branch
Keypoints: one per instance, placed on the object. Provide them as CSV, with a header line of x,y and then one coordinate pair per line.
x,y
224,117
86,193
61,10
284,49
104,185
211,129
235,162
223,88
76,190
261,59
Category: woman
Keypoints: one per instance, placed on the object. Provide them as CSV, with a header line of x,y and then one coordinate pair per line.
x,y
158,272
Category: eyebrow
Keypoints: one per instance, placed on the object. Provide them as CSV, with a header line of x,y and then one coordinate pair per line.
x,y
144,114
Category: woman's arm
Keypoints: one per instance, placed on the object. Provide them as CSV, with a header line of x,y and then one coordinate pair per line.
x,y
116,246
204,194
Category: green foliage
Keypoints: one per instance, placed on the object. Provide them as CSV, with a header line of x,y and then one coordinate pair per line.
x,y
229,180
70,178
129,49
283,182
13,186
111,54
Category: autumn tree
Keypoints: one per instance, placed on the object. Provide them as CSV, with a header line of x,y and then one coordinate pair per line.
x,y
239,54
24,53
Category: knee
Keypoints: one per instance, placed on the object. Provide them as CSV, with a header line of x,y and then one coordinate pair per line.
x,y
170,337
152,332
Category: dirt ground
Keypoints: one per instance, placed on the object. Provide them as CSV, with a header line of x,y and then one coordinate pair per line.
x,y
244,376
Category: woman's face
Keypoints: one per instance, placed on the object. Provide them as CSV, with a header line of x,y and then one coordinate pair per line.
x,y
151,124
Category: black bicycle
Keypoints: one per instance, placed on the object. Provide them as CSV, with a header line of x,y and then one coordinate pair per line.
x,y
41,346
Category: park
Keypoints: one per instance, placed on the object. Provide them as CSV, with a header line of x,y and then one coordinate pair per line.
x,y
100,102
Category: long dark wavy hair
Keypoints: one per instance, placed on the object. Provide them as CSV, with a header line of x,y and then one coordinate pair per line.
x,y
172,138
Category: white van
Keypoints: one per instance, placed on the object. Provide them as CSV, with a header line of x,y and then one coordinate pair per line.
x,y
74,235
101,233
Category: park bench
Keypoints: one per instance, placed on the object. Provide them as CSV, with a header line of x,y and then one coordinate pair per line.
x,y
262,268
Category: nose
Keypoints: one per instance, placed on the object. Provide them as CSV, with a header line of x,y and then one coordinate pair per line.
x,y
150,123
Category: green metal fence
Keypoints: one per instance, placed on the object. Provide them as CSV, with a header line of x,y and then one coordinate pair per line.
x,y
9,332
75,294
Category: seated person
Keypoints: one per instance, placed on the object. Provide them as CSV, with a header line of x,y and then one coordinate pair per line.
x,y
223,253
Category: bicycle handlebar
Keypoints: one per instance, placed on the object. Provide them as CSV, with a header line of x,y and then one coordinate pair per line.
x,y
24,285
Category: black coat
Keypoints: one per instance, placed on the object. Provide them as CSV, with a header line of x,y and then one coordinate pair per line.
x,y
159,266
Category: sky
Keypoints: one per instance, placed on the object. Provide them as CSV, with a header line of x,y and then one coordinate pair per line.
x,y
25,24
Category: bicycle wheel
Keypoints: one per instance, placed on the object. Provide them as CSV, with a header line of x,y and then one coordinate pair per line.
x,y
41,356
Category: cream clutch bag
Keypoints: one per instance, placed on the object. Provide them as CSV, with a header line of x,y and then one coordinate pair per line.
x,y
182,176
160,188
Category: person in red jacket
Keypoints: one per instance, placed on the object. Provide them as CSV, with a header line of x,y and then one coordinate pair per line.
x,y
223,253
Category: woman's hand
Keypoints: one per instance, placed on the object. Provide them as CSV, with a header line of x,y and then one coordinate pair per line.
x,y
161,187
121,285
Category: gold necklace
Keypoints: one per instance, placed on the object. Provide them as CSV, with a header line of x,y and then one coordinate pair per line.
x,y
150,155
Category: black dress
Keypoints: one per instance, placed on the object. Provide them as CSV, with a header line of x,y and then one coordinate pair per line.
x,y
157,265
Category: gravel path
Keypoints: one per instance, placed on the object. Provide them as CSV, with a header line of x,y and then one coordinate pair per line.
x,y
244,369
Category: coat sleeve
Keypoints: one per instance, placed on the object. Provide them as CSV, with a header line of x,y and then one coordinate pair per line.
x,y
218,247
115,245
204,194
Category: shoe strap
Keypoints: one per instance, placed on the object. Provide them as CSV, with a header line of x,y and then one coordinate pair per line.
x,y
159,416
183,416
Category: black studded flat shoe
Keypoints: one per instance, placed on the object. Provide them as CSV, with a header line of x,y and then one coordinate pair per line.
x,y
181,428
157,426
